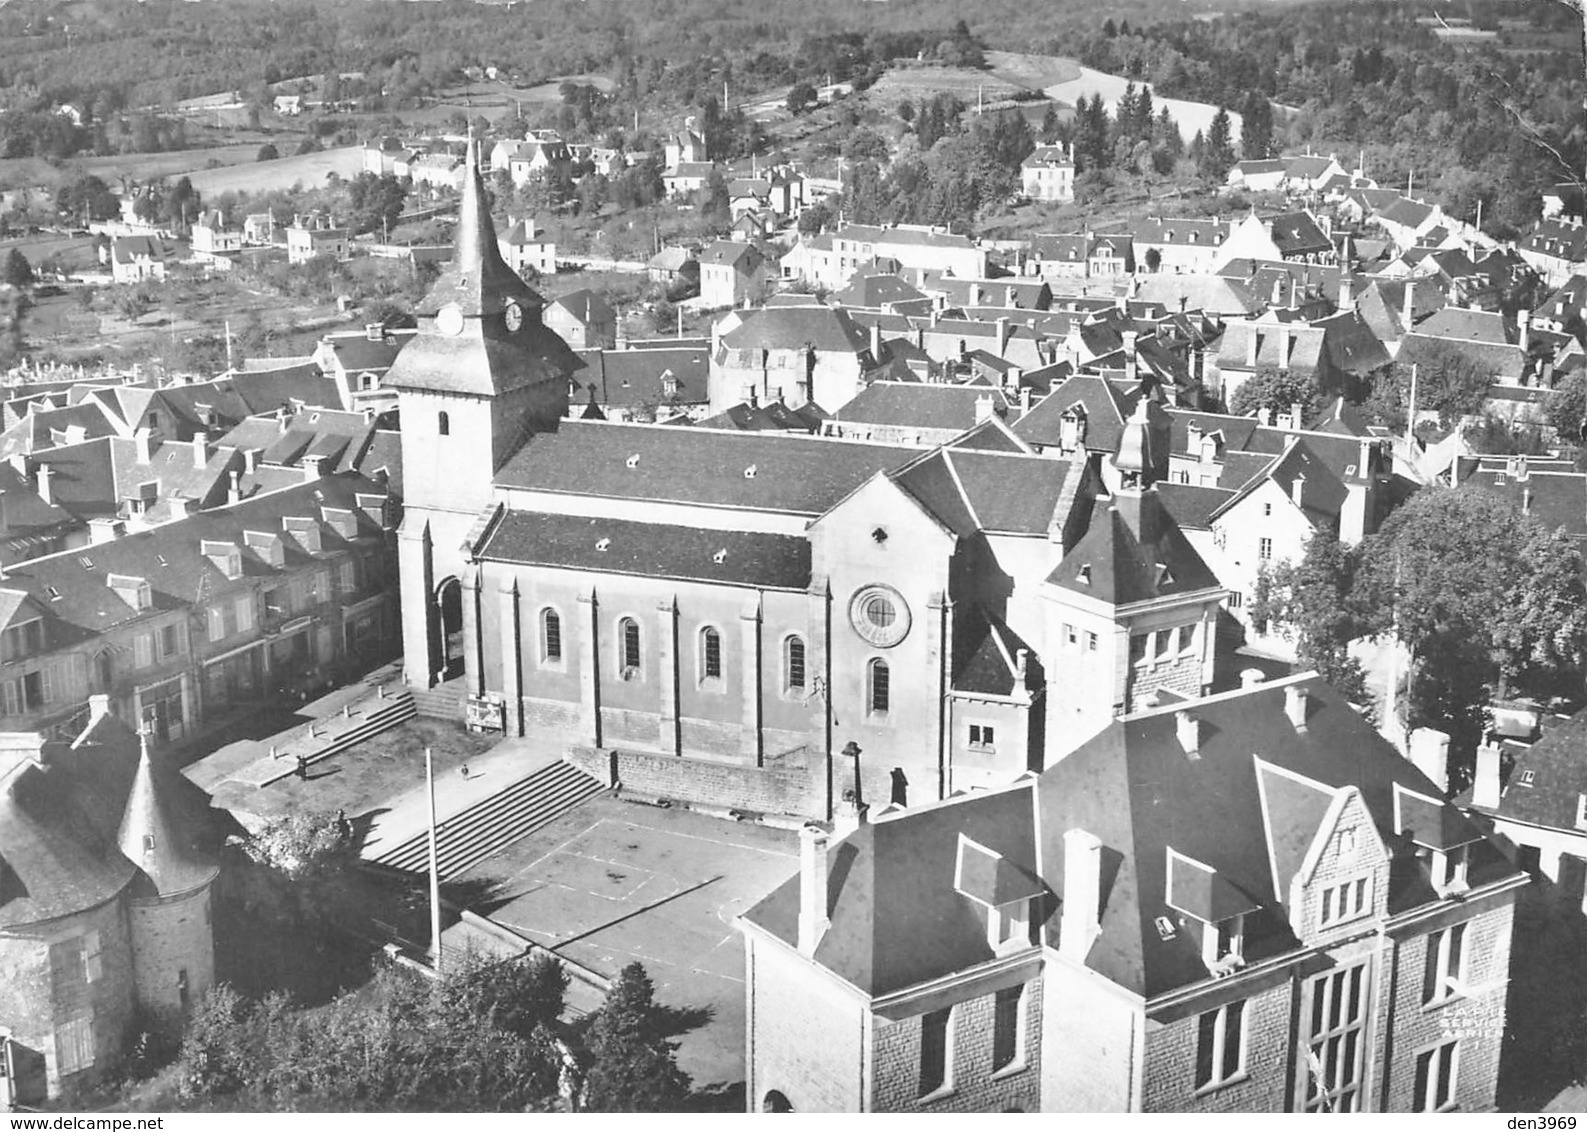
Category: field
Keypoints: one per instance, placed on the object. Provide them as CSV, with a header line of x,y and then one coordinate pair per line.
x,y
916,83
310,169
492,99
1191,116
1035,72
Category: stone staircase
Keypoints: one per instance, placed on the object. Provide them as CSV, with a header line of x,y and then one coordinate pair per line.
x,y
383,709
467,838
444,701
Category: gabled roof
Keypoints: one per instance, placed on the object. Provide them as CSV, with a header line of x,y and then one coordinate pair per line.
x,y
986,656
586,306
1468,326
822,328
634,377
794,474
654,550
875,290
1297,233
1405,212
1322,495
1106,407
918,405
1548,779
992,492
741,257
772,417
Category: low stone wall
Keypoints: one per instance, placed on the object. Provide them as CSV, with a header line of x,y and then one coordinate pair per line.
x,y
793,783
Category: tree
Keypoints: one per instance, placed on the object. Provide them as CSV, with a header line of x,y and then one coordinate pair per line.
x,y
267,152
1220,148
800,98
16,271
376,202
1485,597
1256,126
1278,390
1566,407
634,1066
1448,381
479,1040
1309,603
87,194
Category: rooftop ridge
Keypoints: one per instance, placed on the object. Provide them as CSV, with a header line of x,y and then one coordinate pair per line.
x,y
1220,697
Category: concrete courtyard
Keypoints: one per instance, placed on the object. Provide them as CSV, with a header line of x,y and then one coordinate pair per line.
x,y
612,881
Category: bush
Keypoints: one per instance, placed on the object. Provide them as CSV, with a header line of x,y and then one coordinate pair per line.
x,y
267,152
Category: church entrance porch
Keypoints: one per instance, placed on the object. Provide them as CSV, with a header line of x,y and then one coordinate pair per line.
x,y
449,603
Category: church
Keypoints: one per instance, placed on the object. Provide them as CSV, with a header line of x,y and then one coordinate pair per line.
x,y
773,623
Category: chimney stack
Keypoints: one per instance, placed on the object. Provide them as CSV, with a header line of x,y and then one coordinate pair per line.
x,y
1408,314
1131,357
983,408
1523,325
312,469
1485,789
200,450
1253,345
1079,921
1296,704
234,492
1188,730
141,438
813,896
44,483
1430,753
1297,489
876,343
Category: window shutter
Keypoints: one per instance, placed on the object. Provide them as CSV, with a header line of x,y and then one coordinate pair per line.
x,y
143,650
217,624
244,614
11,697
46,680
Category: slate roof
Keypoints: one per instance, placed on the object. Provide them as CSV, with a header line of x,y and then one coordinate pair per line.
x,y
907,896
1468,326
896,919
971,490
1192,506
1106,407
1506,363
1548,778
1558,238
633,377
586,306
1211,293
1297,233
1237,431
170,557
919,405
823,328
1181,232
655,550
151,836
794,474
875,291
772,417
1558,500
741,257
1405,212
1322,494
484,358
1133,787
986,656
59,825
1122,559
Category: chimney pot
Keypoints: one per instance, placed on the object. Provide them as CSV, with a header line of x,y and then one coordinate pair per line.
x,y
200,449
1485,788
45,493
1188,729
144,443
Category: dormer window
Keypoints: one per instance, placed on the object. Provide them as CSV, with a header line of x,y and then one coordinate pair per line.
x,y
1223,944
1008,926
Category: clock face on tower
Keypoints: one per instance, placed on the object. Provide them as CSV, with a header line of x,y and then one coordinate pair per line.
x,y
513,317
449,319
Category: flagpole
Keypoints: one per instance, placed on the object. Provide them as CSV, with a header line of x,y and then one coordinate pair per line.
x,y
435,875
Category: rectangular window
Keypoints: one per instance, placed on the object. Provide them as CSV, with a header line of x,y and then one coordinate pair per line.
x,y
217,624
1187,639
1220,1045
1070,635
1091,642
1236,599
981,735
347,576
1163,644
1264,549
1445,969
1435,1078
935,1041
1007,1029
1335,1042
1345,901
1138,647
170,641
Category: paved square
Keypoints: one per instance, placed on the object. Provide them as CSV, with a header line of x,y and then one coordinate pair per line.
x,y
611,882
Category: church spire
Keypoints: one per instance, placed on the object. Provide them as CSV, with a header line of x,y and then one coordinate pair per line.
x,y
148,839
478,281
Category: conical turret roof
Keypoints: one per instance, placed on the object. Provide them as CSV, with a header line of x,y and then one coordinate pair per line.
x,y
148,839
